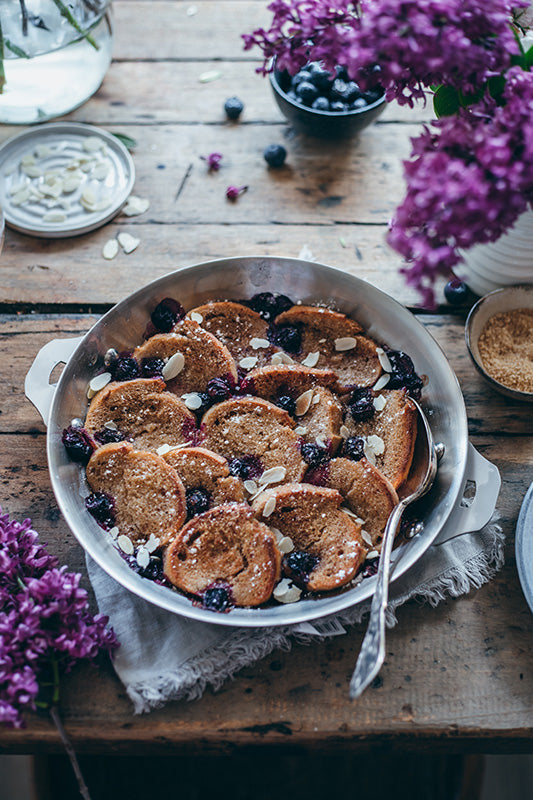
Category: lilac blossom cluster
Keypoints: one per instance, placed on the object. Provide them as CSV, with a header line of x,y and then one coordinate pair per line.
x,y
44,620
470,174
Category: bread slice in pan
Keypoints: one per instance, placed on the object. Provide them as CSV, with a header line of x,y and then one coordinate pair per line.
x,y
148,496
142,412
328,548
225,550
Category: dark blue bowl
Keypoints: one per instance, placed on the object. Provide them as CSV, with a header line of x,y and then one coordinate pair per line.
x,y
323,124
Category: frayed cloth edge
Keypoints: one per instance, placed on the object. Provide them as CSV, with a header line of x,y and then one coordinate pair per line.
x,y
216,665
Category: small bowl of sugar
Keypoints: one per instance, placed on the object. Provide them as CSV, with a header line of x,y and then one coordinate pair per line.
x,y
499,338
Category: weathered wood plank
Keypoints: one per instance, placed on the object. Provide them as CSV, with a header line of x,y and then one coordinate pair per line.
x,y
318,184
170,91
64,272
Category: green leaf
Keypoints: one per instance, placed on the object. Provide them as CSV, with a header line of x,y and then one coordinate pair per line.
x,y
15,49
446,101
496,85
528,58
127,141
468,99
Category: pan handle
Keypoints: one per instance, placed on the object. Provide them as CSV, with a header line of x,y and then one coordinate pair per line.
x,y
478,499
37,386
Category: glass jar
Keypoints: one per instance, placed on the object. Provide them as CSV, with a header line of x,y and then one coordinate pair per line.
x,y
56,53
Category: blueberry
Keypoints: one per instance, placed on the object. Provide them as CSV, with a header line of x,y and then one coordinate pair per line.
x,y
320,76
152,367
289,338
275,155
287,404
338,106
314,455
403,373
321,104
78,444
125,368
371,95
219,389
101,506
307,92
360,102
354,448
353,92
154,571
233,107
456,292
302,76
197,501
300,564
269,305
245,467
361,405
217,598
166,314
338,89
107,435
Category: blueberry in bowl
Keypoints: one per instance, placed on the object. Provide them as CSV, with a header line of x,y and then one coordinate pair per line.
x,y
328,106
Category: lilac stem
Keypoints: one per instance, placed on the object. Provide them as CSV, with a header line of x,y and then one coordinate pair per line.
x,y
84,791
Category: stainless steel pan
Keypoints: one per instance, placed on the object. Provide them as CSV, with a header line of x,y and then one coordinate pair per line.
x,y
383,318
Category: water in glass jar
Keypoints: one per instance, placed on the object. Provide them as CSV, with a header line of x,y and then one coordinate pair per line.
x,y
63,68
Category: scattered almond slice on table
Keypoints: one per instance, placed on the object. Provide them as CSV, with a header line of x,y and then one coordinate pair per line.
x,y
128,242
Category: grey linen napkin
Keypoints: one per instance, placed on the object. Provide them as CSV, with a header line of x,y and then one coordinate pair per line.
x,y
165,657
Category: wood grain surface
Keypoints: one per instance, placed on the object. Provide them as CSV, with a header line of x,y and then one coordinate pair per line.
x,y
456,677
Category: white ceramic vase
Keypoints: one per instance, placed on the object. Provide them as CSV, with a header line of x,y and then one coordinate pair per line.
x,y
505,262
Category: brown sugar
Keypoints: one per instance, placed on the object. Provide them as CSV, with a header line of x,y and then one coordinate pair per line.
x,y
506,348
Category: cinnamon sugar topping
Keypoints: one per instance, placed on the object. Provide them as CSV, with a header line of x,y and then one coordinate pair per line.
x,y
506,348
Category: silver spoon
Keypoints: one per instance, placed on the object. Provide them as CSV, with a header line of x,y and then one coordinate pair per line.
x,y
420,478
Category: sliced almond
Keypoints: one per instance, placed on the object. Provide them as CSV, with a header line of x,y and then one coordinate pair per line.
x,y
257,344
173,367
192,400
281,358
125,544
345,343
272,475
344,432
110,425
250,486
372,554
135,206
71,183
196,317
300,430
32,171
270,506
21,196
286,545
367,539
376,443
110,249
97,383
91,144
54,216
163,449
153,543
381,382
303,402
114,532
101,171
128,242
249,362
311,360
384,360
143,557
380,402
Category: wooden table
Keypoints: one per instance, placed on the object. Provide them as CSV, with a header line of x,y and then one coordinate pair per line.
x,y
457,677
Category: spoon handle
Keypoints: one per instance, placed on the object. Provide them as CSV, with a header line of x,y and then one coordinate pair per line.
x,y
372,650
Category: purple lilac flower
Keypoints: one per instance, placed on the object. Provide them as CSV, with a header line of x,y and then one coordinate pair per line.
x,y
483,158
416,44
233,192
44,619
213,161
